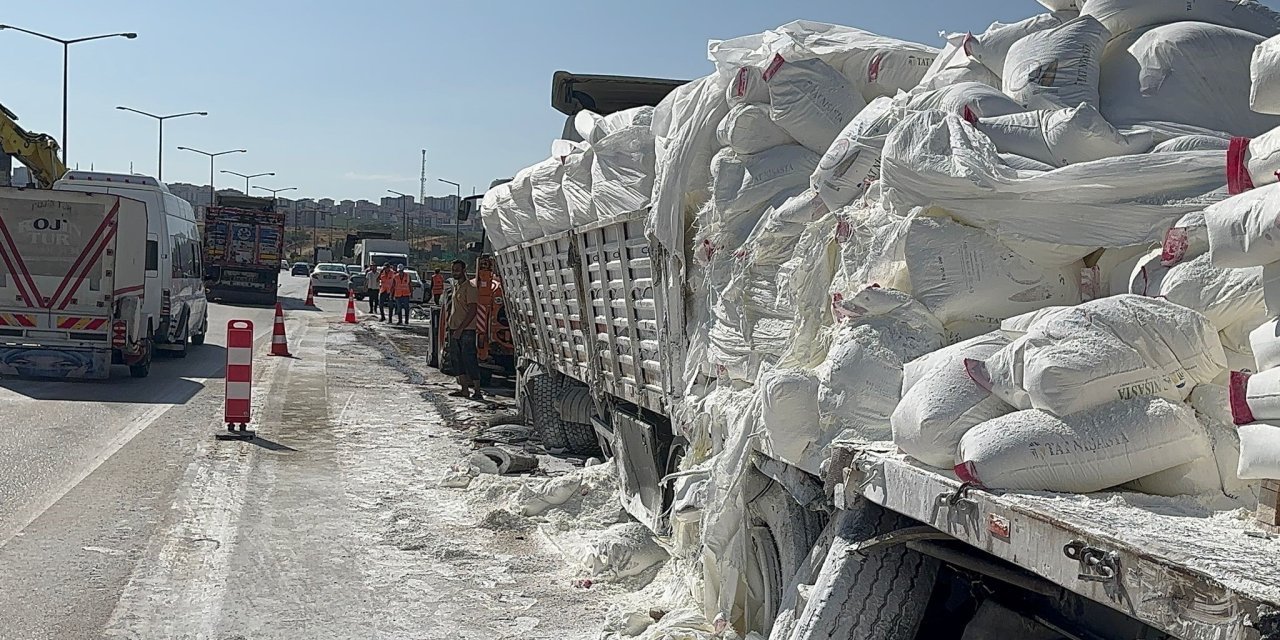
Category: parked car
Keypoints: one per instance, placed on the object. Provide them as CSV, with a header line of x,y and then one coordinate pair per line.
x,y
330,277
300,269
419,294
357,281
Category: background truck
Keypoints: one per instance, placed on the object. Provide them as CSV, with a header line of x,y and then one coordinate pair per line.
x,y
377,252
243,246
72,276
322,254
873,544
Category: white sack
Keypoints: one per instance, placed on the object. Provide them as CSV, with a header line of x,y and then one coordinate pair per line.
x,y
1199,477
1231,299
623,172
955,66
1188,238
747,129
810,100
496,227
1259,158
521,206
576,186
1184,73
1062,136
884,72
915,370
1265,344
1088,451
968,100
852,162
748,87
935,159
1243,228
1110,349
549,203
1264,76
1255,396
1271,288
1058,67
1123,16
1192,143
746,182
789,412
991,47
1111,267
1023,163
1212,403
937,411
1018,326
684,129
1259,451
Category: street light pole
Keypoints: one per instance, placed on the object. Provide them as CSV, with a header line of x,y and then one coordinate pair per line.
x,y
212,193
160,119
457,234
66,55
404,213
248,177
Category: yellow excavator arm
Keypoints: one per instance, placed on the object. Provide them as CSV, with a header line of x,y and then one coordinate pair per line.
x,y
38,151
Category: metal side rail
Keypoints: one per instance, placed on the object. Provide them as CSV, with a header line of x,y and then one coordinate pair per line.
x,y
1184,569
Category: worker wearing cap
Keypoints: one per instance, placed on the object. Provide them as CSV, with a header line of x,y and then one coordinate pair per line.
x,y
371,286
385,310
437,286
402,291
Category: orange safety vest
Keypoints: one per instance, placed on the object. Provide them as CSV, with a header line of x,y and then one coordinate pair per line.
x,y
403,287
437,284
384,281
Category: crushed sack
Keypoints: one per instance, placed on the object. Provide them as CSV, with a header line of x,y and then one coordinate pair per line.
x,y
748,129
991,47
954,66
1110,349
810,100
1062,136
1088,451
1259,451
852,162
936,411
936,159
1186,73
1056,68
1242,229
1122,16
1264,77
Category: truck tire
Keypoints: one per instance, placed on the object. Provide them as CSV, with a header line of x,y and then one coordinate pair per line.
x,y
780,535
882,593
143,368
581,439
543,393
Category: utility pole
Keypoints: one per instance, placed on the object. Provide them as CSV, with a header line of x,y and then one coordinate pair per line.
x,y
422,190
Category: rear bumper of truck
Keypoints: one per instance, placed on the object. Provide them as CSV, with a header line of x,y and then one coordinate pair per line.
x,y
63,361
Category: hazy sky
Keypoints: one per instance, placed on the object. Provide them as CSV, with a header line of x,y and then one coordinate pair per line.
x,y
339,97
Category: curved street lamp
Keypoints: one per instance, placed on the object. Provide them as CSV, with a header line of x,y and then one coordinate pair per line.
x,y
248,177
160,119
212,155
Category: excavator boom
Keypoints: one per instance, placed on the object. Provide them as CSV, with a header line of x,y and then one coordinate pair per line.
x,y
38,151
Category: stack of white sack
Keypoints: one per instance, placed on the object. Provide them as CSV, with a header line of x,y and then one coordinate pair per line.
x,y
1264,77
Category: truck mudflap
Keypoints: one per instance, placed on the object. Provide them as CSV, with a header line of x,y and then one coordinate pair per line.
x,y
55,362
1157,560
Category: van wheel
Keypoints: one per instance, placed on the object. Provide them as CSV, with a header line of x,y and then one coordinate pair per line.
x,y
197,339
142,369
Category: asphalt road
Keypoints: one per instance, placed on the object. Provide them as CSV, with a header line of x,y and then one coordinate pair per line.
x,y
88,470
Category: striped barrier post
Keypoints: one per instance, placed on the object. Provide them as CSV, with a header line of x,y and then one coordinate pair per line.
x,y
239,377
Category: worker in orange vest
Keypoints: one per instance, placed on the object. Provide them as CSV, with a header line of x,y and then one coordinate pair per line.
x,y
385,311
402,290
437,286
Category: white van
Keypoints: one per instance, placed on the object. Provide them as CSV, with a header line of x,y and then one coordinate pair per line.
x,y
174,289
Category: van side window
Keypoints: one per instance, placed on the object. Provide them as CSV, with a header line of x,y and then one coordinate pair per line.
x,y
198,259
153,255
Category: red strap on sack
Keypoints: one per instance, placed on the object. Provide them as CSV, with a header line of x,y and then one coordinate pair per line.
x,y
1238,389
1238,180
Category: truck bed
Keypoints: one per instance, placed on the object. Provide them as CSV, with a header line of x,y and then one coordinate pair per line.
x,y
1184,568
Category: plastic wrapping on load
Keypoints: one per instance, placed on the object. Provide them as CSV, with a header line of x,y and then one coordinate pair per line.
x,y
811,100
1114,348
1264,77
549,204
576,187
937,159
594,127
1259,451
1123,16
938,409
1192,143
852,162
497,225
1189,73
744,182
1062,5
623,171
684,128
955,66
1242,229
964,99
1062,136
1020,163
1058,67
991,47
748,129
1088,451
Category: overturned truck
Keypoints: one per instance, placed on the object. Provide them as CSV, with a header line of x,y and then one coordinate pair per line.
x,y
889,342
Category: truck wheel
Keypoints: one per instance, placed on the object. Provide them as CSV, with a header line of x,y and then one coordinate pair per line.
x,y
780,535
143,368
882,593
543,393
581,439
198,338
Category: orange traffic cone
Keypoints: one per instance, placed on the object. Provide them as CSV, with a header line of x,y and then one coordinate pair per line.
x,y
351,309
311,301
279,345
